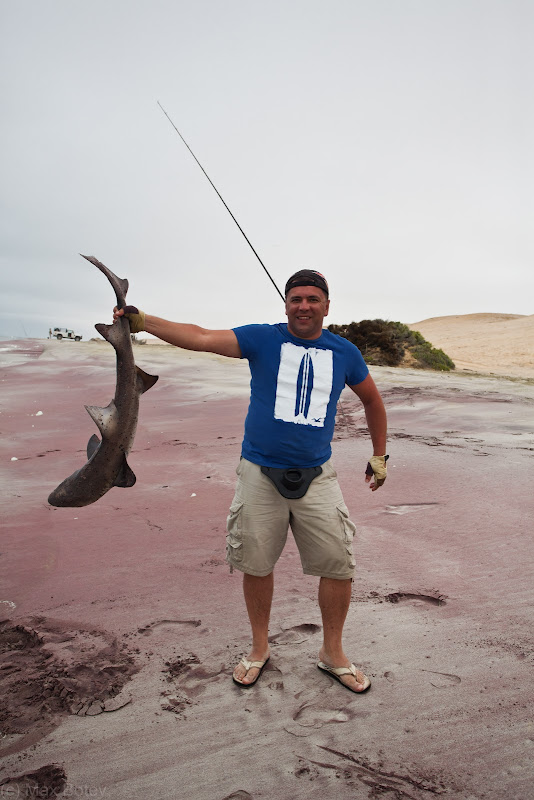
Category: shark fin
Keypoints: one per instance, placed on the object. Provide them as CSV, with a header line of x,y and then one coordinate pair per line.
x,y
145,381
125,477
102,416
92,446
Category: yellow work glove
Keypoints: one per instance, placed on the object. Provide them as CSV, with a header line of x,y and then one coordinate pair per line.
x,y
377,467
135,317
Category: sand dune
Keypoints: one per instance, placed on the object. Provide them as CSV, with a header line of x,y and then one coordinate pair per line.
x,y
500,344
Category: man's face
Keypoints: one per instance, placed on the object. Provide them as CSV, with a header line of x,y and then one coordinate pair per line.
x,y
306,307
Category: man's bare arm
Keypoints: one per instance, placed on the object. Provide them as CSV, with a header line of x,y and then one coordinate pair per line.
x,y
191,337
375,413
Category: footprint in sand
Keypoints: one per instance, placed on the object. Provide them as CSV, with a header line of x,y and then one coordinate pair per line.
x,y
392,676
149,629
408,508
295,635
444,680
430,596
192,678
310,717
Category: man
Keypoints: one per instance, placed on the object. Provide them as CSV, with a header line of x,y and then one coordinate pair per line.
x,y
285,476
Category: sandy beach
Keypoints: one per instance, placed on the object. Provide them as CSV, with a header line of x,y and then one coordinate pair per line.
x,y
121,623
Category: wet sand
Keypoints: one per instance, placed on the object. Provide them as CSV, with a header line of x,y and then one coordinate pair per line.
x,y
121,622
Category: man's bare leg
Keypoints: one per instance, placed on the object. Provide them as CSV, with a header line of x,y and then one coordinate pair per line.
x,y
334,601
258,593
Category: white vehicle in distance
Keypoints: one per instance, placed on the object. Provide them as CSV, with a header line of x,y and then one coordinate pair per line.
x,y
64,333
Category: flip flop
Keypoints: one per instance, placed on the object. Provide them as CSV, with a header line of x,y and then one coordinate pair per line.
x,y
249,665
336,673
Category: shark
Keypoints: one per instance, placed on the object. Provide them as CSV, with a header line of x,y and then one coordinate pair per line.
x,y
106,464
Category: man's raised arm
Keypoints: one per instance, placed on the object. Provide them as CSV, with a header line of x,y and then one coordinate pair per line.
x,y
190,337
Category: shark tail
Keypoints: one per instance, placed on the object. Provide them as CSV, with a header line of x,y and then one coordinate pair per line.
x,y
120,285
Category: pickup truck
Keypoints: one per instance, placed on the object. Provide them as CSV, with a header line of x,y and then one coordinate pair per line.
x,y
64,333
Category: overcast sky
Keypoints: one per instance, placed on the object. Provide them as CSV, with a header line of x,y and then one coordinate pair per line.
x,y
386,143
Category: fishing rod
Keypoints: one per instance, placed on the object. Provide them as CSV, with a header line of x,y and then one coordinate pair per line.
x,y
222,201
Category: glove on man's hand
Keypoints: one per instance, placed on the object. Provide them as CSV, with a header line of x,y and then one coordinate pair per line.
x,y
135,317
377,467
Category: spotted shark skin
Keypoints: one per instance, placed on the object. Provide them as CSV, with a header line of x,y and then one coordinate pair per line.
x,y
107,465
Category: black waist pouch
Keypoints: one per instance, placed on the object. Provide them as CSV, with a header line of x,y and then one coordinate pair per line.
x,y
292,482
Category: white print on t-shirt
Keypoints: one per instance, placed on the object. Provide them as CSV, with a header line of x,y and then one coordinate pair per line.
x,y
304,404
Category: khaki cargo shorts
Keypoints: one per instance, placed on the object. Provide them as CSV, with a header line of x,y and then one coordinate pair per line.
x,y
259,519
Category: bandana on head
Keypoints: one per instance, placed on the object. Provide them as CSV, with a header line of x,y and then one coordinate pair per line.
x,y
307,277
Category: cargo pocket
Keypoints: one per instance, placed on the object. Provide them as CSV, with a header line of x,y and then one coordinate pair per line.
x,y
234,541
349,529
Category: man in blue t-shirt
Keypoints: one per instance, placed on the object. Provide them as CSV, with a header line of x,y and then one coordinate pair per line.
x,y
285,475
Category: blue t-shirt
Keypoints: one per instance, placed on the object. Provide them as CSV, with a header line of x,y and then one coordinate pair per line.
x,y
294,390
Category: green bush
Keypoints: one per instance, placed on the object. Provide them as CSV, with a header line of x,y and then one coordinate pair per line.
x,y
432,357
386,343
